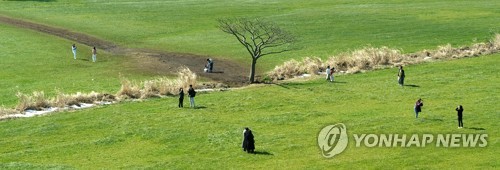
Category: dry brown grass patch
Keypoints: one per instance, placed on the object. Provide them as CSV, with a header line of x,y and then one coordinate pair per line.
x,y
36,101
370,58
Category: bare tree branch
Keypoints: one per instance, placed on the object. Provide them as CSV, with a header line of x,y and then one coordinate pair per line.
x,y
257,35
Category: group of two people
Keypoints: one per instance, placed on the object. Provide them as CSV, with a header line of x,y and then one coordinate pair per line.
x,y
329,73
420,103
459,109
191,94
94,52
209,66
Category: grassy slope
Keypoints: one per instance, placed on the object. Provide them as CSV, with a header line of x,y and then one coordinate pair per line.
x,y
33,61
285,118
324,27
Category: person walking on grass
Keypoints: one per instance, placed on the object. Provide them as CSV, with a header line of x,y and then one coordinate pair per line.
x,y
191,94
401,76
418,107
94,54
73,48
181,97
460,110
328,73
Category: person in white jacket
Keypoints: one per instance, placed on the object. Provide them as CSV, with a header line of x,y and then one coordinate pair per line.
x,y
73,48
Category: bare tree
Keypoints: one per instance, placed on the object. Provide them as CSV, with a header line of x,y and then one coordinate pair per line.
x,y
259,37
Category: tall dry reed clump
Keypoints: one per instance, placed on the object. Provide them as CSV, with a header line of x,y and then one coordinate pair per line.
x,y
496,42
364,59
157,87
129,90
185,77
370,58
289,69
37,101
63,100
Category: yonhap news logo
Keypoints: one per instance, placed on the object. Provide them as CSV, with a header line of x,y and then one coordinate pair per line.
x,y
333,140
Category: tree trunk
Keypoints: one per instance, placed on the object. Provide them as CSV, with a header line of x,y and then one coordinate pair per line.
x,y
252,71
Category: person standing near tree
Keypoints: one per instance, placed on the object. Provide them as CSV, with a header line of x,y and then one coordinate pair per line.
x,y
460,110
73,48
181,97
94,54
191,94
401,76
418,107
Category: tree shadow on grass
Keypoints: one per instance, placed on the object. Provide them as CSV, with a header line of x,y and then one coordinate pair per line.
x,y
476,128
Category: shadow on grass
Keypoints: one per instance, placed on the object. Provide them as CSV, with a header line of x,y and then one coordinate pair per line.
x,y
216,72
283,85
343,82
262,153
34,0
434,119
200,107
475,128
412,85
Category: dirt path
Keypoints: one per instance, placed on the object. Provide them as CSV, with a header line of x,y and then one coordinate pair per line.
x,y
157,62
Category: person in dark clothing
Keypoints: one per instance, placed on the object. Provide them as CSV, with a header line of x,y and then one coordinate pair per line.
x,y
460,110
418,107
401,76
211,65
191,94
181,97
248,141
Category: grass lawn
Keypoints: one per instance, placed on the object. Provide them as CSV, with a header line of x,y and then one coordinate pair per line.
x,y
323,27
34,61
285,118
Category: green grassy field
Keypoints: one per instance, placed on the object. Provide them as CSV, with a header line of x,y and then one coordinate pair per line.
x,y
323,27
30,64
285,119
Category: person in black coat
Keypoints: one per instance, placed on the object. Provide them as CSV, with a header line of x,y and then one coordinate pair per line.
x,y
211,64
460,110
181,97
401,76
248,141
